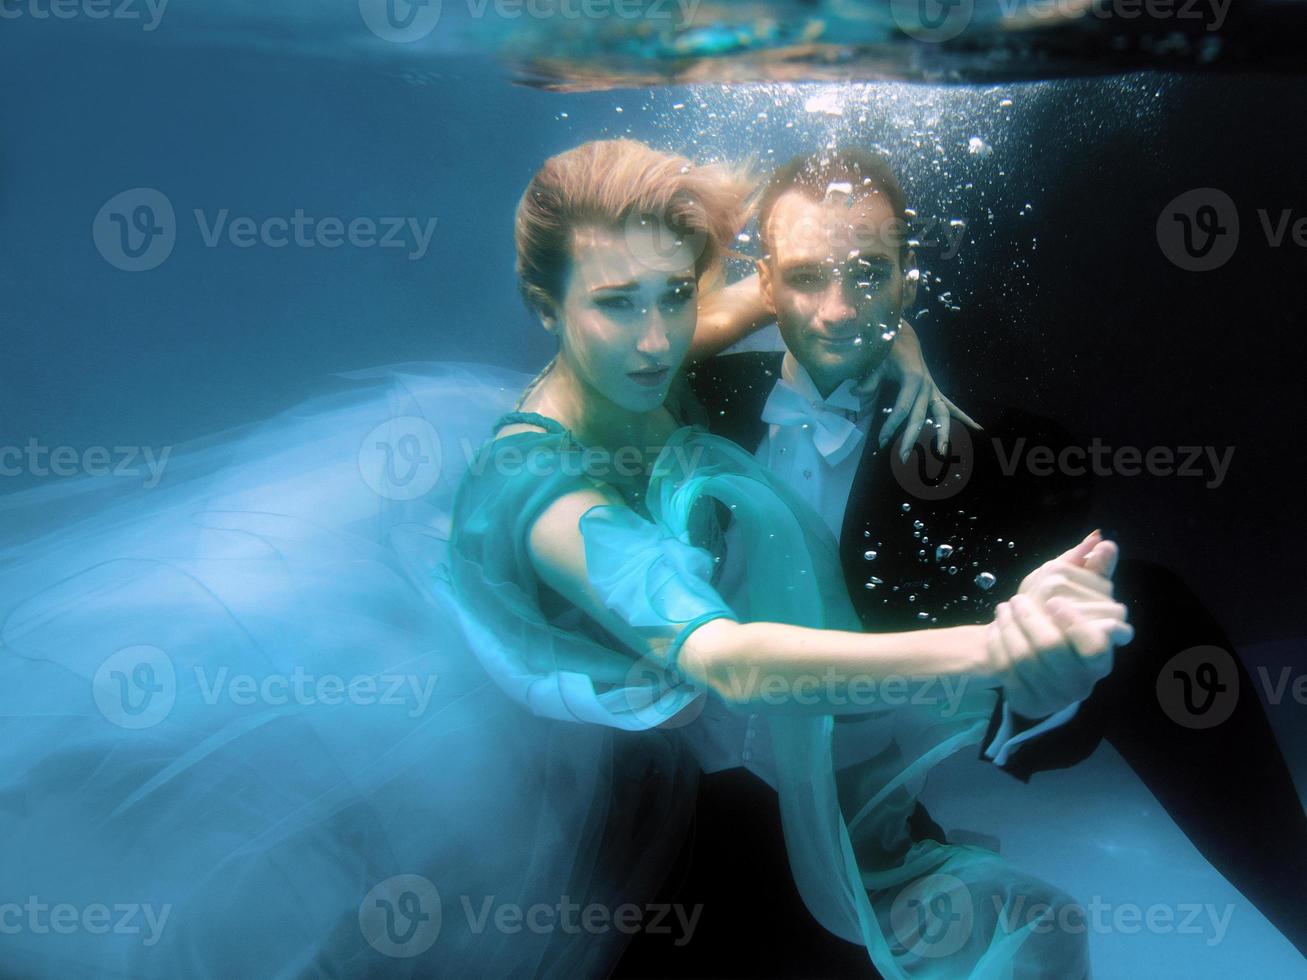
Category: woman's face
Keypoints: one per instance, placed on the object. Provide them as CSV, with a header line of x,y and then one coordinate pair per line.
x,y
629,308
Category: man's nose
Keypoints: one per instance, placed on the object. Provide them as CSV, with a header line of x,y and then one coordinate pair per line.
x,y
837,305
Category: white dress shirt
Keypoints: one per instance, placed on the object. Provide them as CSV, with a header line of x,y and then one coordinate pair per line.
x,y
815,444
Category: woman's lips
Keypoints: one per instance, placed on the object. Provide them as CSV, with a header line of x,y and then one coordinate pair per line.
x,y
650,379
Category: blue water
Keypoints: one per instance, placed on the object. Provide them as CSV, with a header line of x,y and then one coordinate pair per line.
x,y
1055,298
1097,832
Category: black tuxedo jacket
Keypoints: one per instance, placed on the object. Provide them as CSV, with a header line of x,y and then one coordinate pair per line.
x,y
940,541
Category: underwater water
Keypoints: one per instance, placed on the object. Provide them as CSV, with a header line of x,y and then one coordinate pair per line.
x,y
1052,278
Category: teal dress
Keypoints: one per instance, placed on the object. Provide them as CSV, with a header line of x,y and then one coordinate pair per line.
x,y
303,710
922,909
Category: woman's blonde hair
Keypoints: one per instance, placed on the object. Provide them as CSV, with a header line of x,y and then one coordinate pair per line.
x,y
607,182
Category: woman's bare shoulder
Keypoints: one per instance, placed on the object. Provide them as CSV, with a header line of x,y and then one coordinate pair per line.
x,y
517,428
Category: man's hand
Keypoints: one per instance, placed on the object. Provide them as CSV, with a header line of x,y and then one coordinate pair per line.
x,y
1053,641
918,396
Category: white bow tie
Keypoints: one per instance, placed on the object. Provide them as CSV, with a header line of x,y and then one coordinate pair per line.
x,y
833,433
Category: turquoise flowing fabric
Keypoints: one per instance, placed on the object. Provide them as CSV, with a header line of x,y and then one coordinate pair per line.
x,y
302,709
923,909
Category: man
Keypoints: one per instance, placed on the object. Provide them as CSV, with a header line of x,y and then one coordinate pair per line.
x,y
936,538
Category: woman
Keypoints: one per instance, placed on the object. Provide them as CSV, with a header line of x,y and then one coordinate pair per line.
x,y
572,567
240,733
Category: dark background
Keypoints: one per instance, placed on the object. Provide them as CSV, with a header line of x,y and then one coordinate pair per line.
x,y
1070,309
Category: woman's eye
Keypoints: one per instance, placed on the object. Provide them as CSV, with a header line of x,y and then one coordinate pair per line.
x,y
680,297
615,303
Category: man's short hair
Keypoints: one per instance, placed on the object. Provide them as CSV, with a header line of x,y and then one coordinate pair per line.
x,y
814,173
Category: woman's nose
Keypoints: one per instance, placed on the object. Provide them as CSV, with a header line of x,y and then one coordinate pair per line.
x,y
654,339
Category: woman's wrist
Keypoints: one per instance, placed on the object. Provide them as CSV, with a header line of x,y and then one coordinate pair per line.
x,y
984,670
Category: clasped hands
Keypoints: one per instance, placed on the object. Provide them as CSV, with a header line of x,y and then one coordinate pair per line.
x,y
1052,641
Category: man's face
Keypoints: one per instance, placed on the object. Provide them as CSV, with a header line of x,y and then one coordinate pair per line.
x,y
836,280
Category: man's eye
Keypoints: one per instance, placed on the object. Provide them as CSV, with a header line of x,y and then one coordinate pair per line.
x,y
804,279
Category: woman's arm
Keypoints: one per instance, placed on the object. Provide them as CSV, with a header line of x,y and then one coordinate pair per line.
x,y
727,316
779,667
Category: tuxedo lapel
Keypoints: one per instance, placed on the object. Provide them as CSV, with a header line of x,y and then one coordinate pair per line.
x,y
859,518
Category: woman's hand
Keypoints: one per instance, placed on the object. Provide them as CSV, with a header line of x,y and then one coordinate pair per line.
x,y
1053,641
918,398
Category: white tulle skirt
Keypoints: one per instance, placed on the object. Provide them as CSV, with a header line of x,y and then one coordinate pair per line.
x,y
241,733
